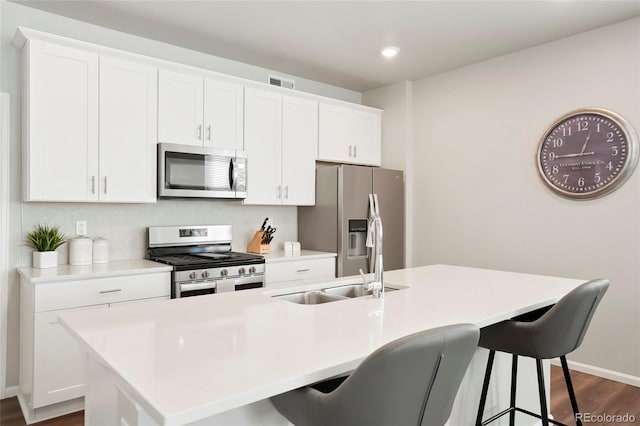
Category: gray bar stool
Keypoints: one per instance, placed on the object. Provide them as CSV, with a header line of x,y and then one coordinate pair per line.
x,y
548,333
410,381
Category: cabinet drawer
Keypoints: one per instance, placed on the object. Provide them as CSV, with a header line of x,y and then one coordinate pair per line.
x,y
298,270
71,294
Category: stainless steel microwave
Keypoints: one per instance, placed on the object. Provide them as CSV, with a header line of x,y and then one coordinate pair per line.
x,y
201,172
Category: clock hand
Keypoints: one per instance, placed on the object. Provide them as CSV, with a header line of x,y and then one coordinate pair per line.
x,y
579,154
584,146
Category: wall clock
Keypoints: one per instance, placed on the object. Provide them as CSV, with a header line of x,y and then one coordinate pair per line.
x,y
587,153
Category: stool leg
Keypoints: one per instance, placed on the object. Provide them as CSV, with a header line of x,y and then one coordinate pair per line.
x,y
543,397
485,387
514,378
572,395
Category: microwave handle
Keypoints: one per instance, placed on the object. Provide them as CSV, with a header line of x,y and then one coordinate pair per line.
x,y
233,174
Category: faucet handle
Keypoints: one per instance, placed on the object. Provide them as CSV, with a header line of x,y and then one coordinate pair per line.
x,y
364,279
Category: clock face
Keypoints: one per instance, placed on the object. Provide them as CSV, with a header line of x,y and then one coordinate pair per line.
x,y
587,153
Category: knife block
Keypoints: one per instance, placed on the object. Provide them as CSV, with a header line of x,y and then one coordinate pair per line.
x,y
255,245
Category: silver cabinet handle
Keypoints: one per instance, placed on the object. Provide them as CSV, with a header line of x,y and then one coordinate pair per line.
x,y
349,150
303,270
105,184
199,132
115,290
279,191
355,152
209,132
93,184
286,192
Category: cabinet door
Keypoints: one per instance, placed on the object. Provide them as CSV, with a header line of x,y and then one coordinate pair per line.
x,y
299,150
61,137
59,363
263,144
128,123
180,108
366,131
335,141
223,114
349,135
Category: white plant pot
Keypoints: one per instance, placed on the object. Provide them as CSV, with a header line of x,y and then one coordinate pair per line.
x,y
45,259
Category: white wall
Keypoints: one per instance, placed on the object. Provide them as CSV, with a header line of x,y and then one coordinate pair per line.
x,y
480,202
124,225
397,142
394,99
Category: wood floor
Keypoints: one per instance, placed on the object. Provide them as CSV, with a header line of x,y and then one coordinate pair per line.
x,y
595,395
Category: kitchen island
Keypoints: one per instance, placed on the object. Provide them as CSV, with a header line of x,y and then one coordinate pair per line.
x,y
215,360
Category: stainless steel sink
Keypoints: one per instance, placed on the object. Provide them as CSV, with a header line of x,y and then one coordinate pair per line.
x,y
331,294
309,297
353,290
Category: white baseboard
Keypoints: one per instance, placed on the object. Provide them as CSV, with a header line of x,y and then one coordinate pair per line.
x,y
10,391
601,372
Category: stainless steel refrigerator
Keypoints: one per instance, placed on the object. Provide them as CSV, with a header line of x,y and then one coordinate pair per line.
x,y
338,221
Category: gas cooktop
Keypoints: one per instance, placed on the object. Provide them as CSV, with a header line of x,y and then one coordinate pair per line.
x,y
208,260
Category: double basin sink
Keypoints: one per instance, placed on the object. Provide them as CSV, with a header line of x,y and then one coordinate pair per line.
x,y
346,290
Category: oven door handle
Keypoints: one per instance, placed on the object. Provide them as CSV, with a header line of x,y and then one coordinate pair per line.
x,y
230,284
205,285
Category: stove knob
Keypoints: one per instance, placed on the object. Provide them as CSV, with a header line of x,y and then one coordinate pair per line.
x,y
223,273
205,274
252,270
192,275
242,271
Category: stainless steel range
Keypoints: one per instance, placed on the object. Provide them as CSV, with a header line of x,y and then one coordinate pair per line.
x,y
202,260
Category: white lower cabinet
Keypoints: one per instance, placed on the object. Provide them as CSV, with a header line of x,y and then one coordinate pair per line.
x,y
58,364
299,270
52,364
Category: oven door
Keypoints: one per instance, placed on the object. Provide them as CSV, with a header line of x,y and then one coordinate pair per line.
x,y
197,288
195,171
243,283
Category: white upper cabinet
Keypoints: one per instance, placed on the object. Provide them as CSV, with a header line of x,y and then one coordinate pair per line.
x,y
90,126
281,139
128,123
349,135
299,150
223,114
180,110
60,139
94,115
193,110
263,144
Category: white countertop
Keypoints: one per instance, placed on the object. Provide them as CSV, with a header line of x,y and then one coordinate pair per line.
x,y
96,270
187,359
278,256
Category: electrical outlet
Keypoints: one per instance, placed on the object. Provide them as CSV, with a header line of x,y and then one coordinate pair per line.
x,y
81,228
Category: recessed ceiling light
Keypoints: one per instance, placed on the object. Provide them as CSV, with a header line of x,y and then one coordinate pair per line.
x,y
389,52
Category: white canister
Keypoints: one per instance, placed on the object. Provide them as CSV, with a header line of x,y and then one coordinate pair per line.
x,y
100,250
80,251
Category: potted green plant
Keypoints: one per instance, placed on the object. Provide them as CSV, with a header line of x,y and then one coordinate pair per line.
x,y
45,240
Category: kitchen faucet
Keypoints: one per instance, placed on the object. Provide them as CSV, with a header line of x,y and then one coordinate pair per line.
x,y
375,242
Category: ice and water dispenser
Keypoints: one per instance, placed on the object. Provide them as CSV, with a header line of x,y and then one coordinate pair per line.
x,y
357,238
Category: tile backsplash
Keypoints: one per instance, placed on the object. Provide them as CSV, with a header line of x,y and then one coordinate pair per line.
x,y
125,225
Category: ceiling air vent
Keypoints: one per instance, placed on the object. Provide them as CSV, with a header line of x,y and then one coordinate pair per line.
x,y
281,82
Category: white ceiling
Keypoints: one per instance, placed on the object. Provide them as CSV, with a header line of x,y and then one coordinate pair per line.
x,y
338,42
